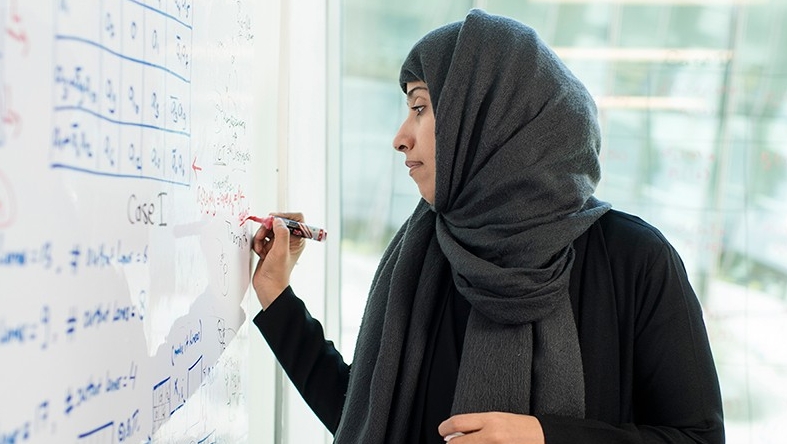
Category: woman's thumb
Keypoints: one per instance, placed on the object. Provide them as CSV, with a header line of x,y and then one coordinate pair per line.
x,y
281,234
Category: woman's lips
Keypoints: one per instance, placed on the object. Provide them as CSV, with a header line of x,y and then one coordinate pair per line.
x,y
411,164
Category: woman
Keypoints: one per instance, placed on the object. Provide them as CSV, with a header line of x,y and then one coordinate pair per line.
x,y
512,306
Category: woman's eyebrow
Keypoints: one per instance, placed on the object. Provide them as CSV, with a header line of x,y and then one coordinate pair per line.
x,y
410,93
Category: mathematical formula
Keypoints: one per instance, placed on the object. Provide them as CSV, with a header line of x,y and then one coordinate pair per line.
x,y
123,89
123,159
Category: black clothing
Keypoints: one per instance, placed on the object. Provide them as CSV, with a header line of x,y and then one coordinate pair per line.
x,y
441,365
649,371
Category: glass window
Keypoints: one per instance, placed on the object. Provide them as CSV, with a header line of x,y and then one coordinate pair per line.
x,y
692,106
377,193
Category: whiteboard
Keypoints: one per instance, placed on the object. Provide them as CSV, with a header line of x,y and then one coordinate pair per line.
x,y
125,154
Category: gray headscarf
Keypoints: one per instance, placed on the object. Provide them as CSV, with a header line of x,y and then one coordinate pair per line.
x,y
517,163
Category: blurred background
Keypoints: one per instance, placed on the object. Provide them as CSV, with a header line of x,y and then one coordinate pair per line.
x,y
691,97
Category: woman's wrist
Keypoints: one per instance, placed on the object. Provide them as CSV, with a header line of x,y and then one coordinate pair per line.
x,y
266,294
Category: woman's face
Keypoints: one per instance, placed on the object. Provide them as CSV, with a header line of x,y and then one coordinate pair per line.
x,y
416,139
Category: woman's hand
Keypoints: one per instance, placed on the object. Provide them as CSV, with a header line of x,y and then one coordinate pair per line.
x,y
493,428
278,252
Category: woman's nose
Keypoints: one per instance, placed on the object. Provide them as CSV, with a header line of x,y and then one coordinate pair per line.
x,y
402,142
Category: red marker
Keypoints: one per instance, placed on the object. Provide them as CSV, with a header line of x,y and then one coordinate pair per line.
x,y
296,228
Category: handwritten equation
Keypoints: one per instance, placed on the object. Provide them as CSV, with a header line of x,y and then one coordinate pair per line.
x,y
92,91
75,258
122,89
44,328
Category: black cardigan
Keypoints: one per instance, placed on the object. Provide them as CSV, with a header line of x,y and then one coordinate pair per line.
x,y
649,372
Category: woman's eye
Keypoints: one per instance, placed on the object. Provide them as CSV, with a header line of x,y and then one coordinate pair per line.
x,y
418,109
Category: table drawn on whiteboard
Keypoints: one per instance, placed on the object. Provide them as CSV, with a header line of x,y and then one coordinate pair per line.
x,y
119,101
100,119
170,394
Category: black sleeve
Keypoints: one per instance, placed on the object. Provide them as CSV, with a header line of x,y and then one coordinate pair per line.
x,y
676,396
313,364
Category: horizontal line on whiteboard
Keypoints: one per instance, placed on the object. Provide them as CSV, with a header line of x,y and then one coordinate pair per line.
x,y
206,437
177,408
200,358
160,383
161,12
62,166
120,122
97,429
125,57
